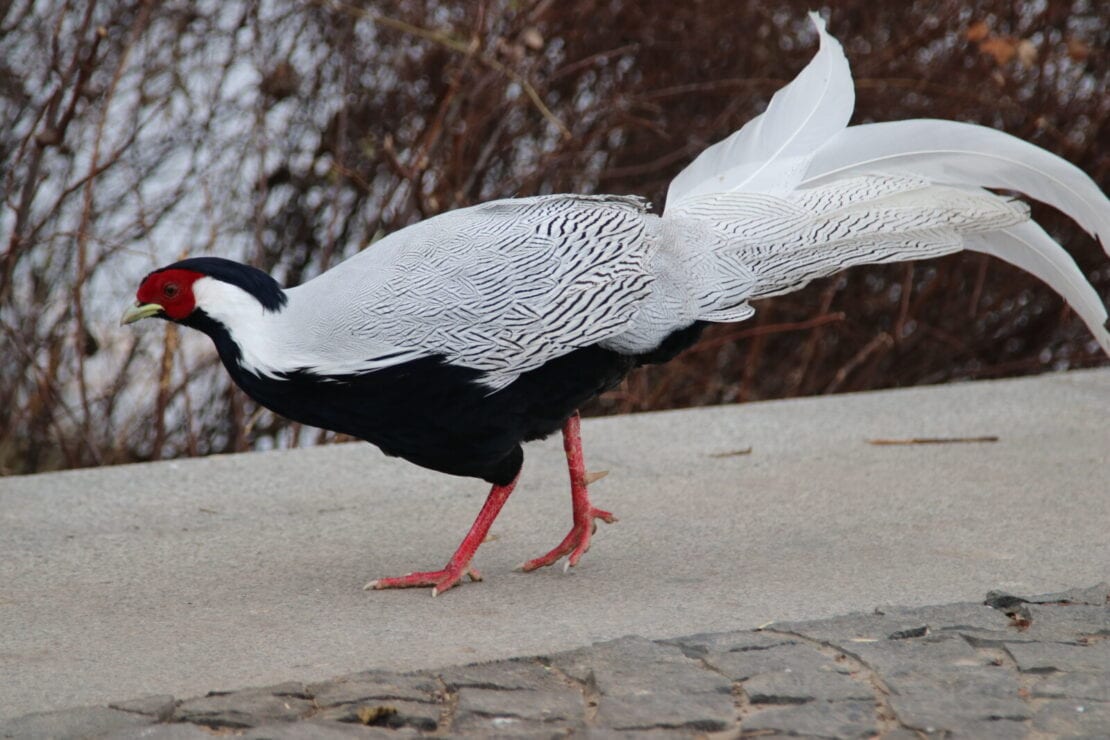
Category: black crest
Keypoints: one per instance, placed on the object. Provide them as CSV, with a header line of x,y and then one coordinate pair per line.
x,y
254,281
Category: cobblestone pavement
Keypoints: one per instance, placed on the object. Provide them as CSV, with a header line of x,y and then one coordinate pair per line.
x,y
1010,667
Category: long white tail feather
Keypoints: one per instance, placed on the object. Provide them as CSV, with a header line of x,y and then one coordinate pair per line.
x,y
796,194
770,153
1029,247
949,152
785,242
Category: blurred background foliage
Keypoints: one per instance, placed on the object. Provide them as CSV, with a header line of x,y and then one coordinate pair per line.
x,y
292,134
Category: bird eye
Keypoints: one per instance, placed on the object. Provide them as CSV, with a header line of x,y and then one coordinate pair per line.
x,y
170,290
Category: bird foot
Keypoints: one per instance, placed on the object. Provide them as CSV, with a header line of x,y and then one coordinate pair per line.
x,y
439,580
576,543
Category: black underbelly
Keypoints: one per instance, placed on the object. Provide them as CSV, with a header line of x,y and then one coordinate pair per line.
x,y
439,416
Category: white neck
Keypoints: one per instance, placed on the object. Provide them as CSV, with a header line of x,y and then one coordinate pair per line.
x,y
305,334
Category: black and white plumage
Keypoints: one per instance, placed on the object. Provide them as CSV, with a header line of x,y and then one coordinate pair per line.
x,y
451,342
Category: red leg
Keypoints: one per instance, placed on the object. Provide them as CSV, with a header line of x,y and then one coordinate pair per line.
x,y
441,580
577,541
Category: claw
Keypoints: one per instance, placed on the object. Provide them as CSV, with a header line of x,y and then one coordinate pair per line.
x,y
575,544
585,516
449,577
439,580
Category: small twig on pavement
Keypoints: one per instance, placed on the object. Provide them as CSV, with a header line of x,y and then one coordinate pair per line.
x,y
932,440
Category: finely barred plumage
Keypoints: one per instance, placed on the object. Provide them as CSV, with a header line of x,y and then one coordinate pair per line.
x,y
453,341
505,287
501,288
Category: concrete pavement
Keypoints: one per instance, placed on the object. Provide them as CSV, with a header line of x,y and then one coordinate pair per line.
x,y
182,577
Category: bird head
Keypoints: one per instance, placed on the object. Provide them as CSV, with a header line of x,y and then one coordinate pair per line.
x,y
166,293
203,286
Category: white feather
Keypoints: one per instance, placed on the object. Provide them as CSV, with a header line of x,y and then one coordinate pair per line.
x,y
952,153
1027,246
949,152
805,126
272,343
771,152
502,287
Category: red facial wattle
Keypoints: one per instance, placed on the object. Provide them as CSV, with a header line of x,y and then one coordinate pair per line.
x,y
172,290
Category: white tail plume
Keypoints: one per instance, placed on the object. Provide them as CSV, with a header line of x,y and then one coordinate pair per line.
x,y
769,154
796,194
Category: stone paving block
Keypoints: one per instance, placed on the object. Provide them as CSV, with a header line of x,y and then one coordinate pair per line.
x,y
840,719
543,706
986,681
960,616
945,697
72,723
674,709
792,657
510,675
1053,656
1097,595
633,665
1067,623
321,731
1001,729
170,731
374,687
901,733
874,626
1069,718
897,622
730,642
798,688
476,725
246,708
933,709
294,689
923,656
389,713
613,679
601,733
1081,686
158,706
996,638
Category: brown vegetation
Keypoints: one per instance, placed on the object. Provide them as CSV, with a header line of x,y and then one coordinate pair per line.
x,y
290,135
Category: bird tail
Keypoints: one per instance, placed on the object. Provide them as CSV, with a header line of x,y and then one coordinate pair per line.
x,y
797,194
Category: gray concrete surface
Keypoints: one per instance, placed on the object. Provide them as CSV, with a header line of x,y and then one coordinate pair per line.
x,y
183,577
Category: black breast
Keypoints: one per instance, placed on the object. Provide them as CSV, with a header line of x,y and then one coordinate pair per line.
x,y
438,415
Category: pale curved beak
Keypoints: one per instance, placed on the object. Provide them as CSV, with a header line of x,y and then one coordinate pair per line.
x,y
139,311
